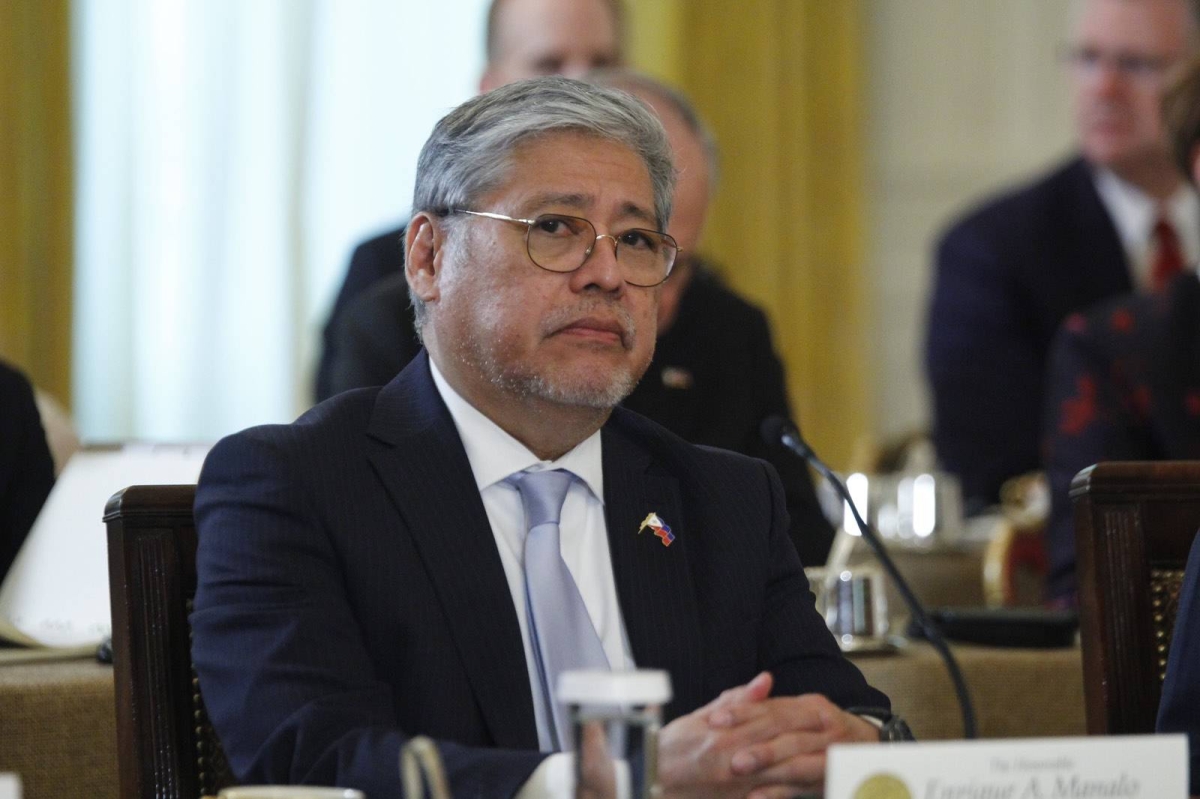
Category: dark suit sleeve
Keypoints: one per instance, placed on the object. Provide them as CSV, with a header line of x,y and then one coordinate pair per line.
x,y
372,261
1086,421
794,643
283,666
1181,689
375,339
984,366
26,467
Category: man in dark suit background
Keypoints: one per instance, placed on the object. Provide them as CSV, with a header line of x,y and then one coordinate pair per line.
x,y
715,375
1124,377
1009,272
523,39
363,572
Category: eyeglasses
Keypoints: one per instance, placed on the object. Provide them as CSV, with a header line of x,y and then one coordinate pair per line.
x,y
559,243
1134,66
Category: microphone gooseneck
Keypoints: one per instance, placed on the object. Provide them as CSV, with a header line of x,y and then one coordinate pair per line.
x,y
779,432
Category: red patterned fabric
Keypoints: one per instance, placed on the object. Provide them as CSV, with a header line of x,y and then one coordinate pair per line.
x,y
1079,411
1122,321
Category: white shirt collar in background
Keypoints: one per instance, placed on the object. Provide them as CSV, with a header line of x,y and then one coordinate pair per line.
x,y
1134,214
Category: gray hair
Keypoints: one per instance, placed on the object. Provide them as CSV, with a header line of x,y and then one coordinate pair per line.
x,y
640,84
470,151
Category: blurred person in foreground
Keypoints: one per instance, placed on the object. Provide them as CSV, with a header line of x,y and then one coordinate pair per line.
x,y
379,568
26,467
1115,218
715,375
523,39
1179,708
1124,377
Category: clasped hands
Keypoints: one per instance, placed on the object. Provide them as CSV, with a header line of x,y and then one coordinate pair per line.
x,y
746,744
742,745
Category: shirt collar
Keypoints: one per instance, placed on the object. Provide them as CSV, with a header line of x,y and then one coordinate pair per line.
x,y
1134,213
494,454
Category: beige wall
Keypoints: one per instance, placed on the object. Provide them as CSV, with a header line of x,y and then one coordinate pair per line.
x,y
964,96
781,84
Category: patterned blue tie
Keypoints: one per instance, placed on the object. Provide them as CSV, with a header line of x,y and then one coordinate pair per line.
x,y
560,630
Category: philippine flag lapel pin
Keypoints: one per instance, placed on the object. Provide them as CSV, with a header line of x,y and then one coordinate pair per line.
x,y
659,527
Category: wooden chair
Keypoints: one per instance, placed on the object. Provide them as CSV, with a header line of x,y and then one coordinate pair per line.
x,y
1134,525
166,747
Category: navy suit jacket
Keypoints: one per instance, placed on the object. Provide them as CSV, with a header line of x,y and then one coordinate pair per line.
x,y
351,594
1124,385
1177,710
373,260
1006,277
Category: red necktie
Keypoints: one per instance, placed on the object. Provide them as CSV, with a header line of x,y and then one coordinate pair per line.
x,y
1168,257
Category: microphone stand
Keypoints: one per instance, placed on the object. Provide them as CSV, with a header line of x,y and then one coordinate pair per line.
x,y
780,432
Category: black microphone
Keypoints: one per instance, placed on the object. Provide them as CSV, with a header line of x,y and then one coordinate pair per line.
x,y
779,432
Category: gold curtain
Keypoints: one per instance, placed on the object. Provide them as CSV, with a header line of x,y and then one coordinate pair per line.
x,y
780,82
36,191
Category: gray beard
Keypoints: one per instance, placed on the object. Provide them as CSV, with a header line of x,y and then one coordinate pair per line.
x,y
554,388
604,397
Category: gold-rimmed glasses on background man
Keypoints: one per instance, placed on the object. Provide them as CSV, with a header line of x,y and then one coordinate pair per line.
x,y
560,243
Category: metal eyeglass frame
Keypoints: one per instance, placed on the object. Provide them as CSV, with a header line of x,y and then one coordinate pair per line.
x,y
529,223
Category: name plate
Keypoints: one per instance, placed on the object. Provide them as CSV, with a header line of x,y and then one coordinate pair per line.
x,y
1116,767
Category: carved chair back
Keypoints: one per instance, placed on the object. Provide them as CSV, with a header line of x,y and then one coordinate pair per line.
x,y
1134,526
166,746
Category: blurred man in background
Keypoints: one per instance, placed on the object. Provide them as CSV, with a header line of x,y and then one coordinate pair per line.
x,y
1124,377
1115,218
715,375
523,39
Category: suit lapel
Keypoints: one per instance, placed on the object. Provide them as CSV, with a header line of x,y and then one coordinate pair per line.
x,y
1097,247
654,582
420,460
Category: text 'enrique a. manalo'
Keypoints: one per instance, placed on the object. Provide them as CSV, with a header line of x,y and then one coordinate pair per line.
x,y
1061,786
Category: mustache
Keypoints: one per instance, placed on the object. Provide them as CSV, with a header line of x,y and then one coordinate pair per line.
x,y
596,306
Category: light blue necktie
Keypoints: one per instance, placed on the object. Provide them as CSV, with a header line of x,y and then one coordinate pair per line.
x,y
560,630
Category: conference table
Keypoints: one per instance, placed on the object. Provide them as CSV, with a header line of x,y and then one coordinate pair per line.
x,y
58,728
1017,693
58,720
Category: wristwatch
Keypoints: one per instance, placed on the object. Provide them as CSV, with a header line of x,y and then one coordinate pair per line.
x,y
891,726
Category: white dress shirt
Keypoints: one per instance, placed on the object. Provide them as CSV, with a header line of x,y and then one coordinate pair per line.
x,y
1134,213
494,455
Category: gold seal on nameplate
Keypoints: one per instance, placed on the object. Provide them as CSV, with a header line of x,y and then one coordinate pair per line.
x,y
883,786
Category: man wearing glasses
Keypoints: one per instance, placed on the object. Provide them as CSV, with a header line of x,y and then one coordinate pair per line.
x,y
428,557
1114,219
